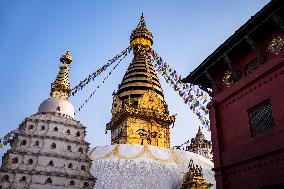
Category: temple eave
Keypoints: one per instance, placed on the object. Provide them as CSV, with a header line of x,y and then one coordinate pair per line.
x,y
158,117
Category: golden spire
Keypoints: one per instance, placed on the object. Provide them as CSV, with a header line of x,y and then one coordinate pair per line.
x,y
60,88
141,36
194,178
139,112
140,76
141,22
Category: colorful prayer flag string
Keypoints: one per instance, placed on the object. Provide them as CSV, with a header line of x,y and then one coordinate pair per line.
x,y
92,76
192,95
6,139
92,94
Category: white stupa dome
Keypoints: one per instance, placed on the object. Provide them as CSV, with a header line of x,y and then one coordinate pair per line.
x,y
58,106
131,166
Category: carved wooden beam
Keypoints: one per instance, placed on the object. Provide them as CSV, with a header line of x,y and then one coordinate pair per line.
x,y
278,21
228,61
259,56
234,71
214,83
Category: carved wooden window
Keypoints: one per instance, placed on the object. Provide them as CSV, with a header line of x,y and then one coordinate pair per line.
x,y
251,66
261,119
276,186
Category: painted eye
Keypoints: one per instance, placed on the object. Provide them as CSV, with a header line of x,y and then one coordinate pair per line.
x,y
141,132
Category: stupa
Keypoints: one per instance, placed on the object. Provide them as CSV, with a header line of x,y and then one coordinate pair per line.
x,y
140,156
139,112
200,145
50,151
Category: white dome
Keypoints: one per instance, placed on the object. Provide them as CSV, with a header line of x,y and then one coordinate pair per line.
x,y
132,166
58,106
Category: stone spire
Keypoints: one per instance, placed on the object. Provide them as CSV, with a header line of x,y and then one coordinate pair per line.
x,y
60,88
140,114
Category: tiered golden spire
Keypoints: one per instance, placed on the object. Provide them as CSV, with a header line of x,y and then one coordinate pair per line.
x,y
60,88
141,37
140,76
194,178
140,114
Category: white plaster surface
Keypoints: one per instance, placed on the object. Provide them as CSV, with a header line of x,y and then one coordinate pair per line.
x,y
40,127
132,167
52,104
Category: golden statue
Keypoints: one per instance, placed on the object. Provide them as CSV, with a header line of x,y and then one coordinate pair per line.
x,y
194,178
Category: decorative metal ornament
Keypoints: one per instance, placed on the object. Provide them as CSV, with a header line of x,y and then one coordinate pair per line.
x,y
229,78
116,105
60,88
276,44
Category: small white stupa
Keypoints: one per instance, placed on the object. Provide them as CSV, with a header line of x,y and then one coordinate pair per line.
x,y
50,151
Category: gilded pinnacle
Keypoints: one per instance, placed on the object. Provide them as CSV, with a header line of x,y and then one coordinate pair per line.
x,y
60,88
142,22
141,37
66,58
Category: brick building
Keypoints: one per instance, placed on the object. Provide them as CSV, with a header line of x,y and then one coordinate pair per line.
x,y
246,75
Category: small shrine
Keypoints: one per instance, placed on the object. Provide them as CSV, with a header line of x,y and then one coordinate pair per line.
x,y
200,145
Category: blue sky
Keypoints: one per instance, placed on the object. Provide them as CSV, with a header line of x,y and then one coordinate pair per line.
x,y
34,34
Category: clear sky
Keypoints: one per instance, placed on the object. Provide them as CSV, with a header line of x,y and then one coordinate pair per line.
x,y
34,34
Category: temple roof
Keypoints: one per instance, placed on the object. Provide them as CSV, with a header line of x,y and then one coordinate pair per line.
x,y
252,24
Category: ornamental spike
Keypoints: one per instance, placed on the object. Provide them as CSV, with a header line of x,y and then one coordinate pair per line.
x,y
60,88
